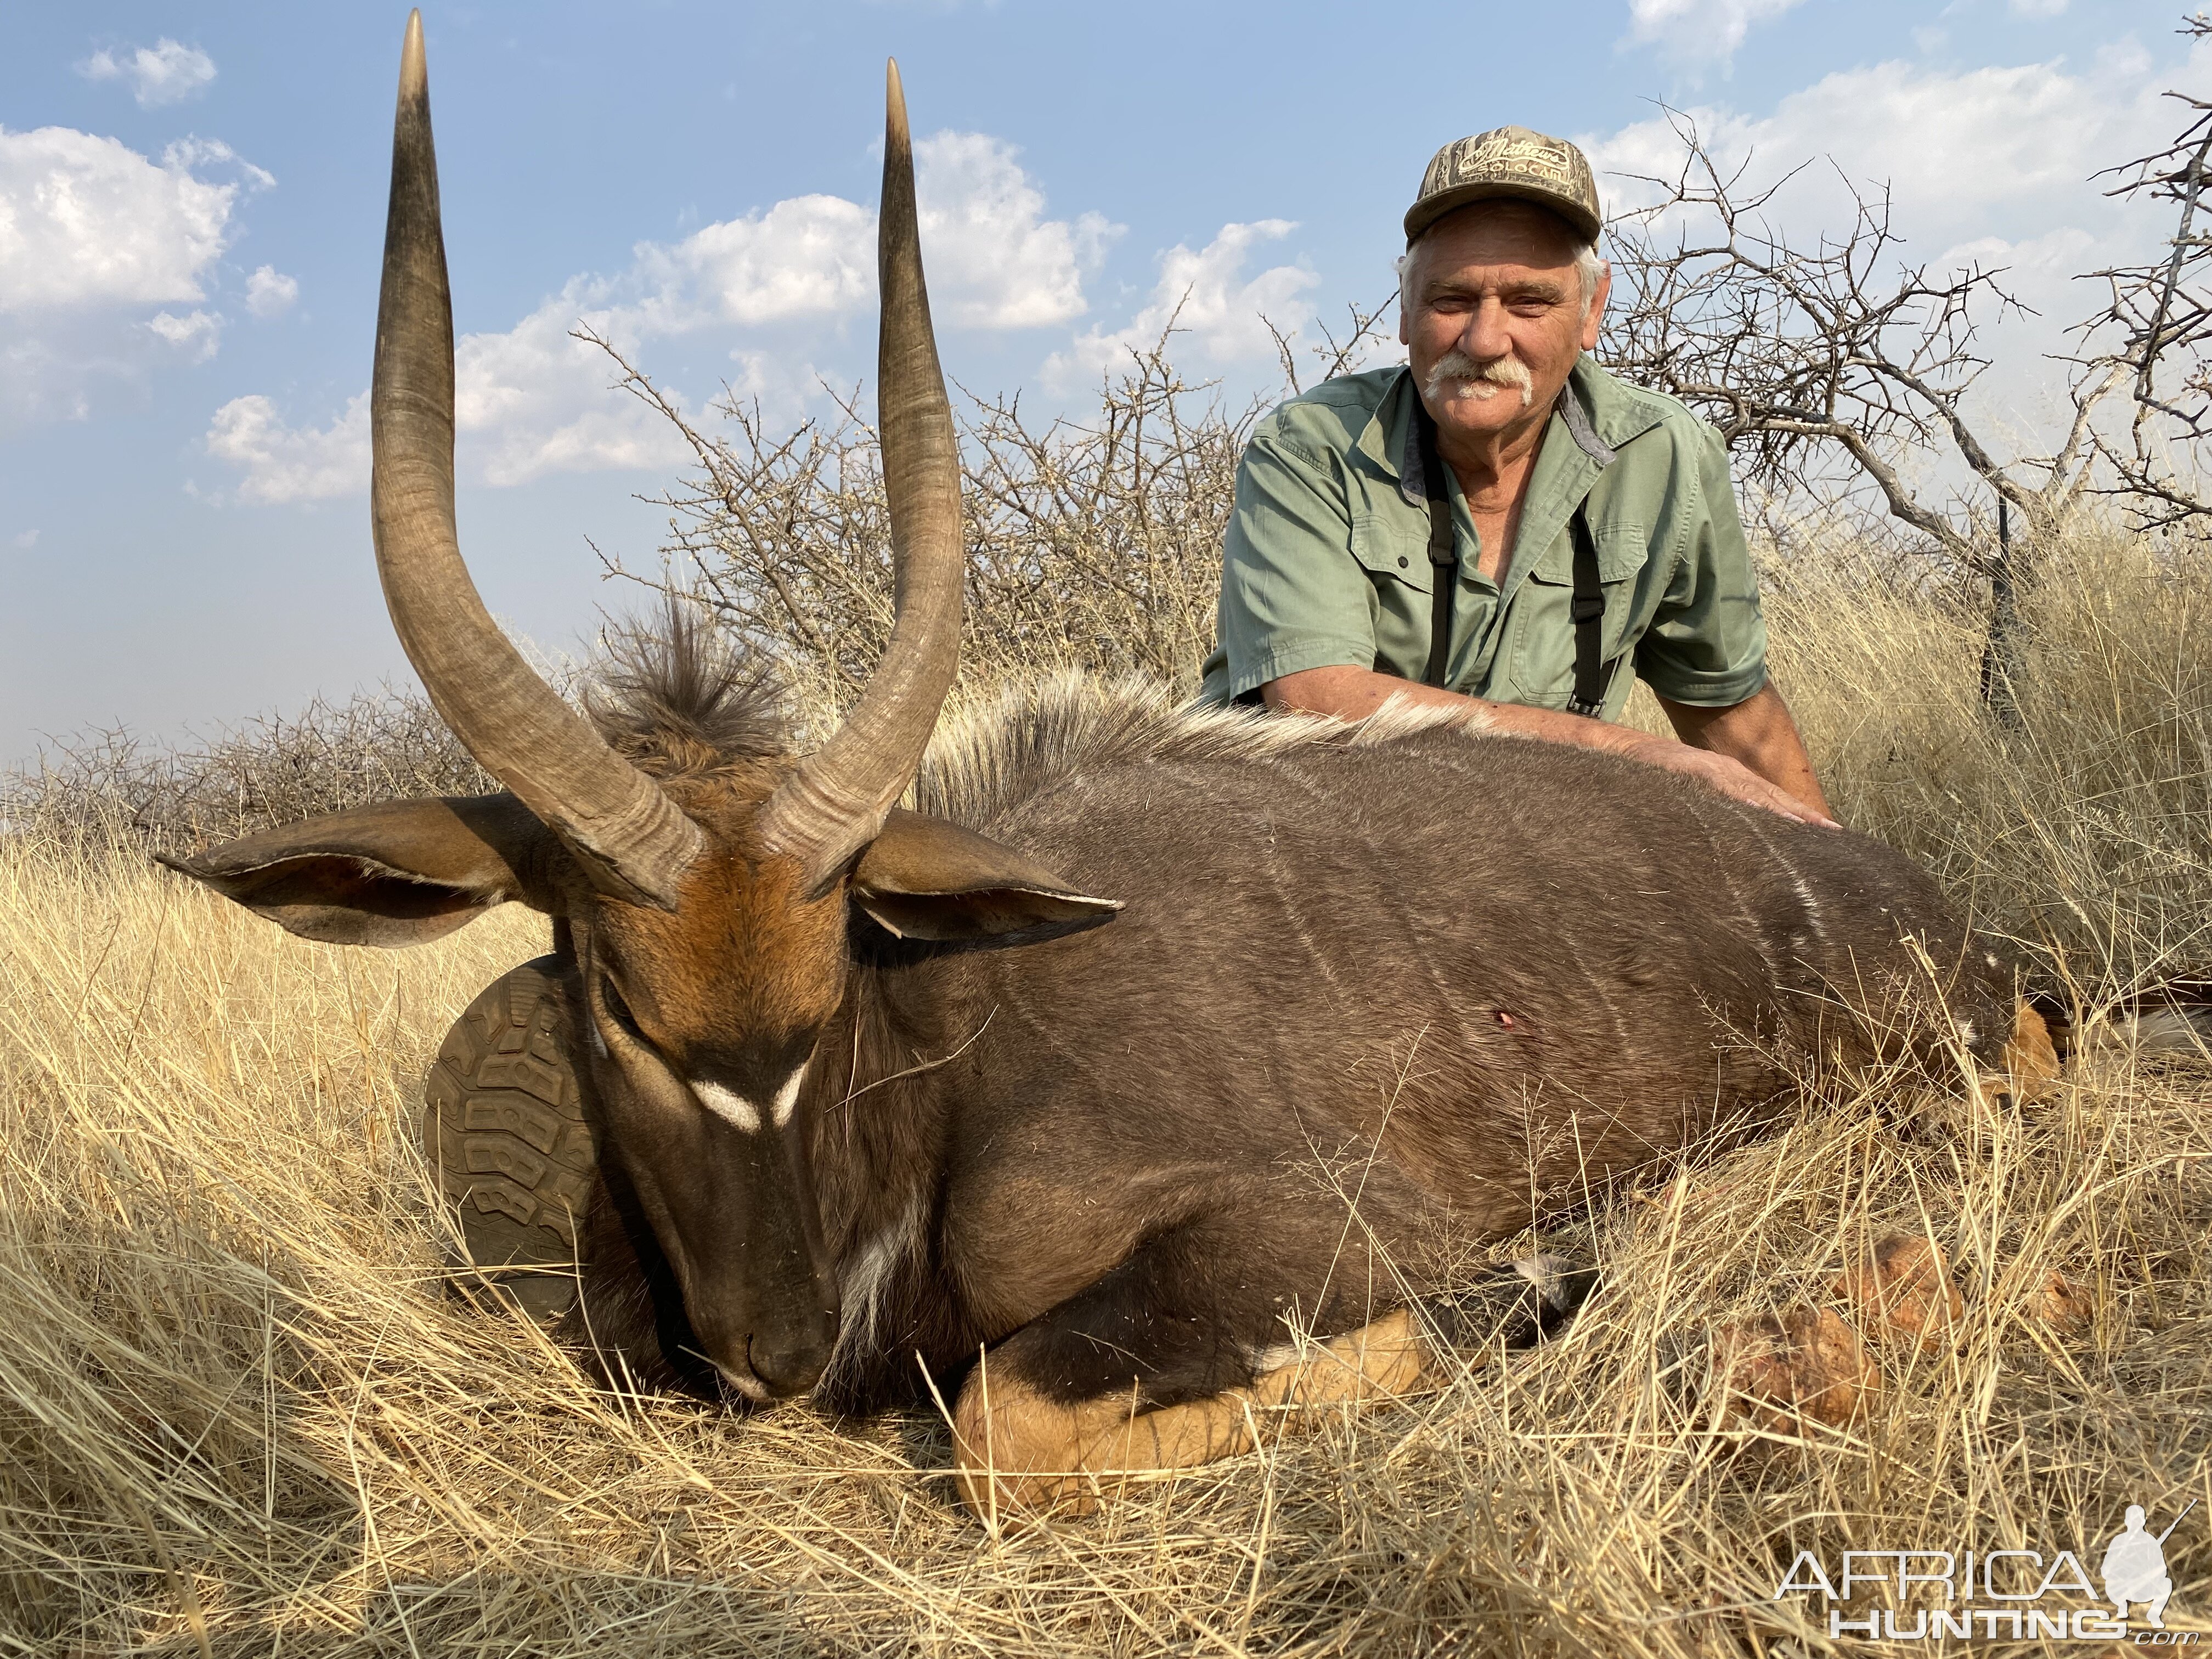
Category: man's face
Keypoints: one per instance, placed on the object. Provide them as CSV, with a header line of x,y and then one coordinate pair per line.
x,y
1495,317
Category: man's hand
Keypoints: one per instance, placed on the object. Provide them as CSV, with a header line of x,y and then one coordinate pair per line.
x,y
1760,734
1726,774
1750,750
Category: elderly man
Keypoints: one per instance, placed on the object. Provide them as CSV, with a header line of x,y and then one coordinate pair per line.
x,y
1500,525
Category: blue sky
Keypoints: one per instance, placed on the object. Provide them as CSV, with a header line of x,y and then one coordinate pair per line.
x,y
191,201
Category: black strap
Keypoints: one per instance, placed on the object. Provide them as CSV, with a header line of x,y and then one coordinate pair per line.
x,y
1443,555
1587,608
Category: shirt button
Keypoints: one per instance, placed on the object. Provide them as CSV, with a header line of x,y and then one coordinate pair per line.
x,y
1401,561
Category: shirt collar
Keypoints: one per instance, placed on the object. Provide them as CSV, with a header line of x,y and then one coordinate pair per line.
x,y
1597,413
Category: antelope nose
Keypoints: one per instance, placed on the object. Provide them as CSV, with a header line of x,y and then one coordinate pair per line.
x,y
789,1365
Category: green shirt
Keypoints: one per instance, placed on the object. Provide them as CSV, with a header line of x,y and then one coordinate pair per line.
x,y
1326,560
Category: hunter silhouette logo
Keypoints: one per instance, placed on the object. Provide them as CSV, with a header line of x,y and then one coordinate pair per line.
x,y
2013,1594
2135,1566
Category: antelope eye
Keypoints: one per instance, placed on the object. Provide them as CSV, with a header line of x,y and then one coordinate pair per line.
x,y
611,999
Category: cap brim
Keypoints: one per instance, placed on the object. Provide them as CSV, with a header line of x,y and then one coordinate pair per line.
x,y
1427,211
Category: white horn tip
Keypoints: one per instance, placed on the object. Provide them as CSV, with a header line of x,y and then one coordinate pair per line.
x,y
414,70
894,95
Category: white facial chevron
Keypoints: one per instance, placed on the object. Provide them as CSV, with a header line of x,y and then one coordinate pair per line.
x,y
735,1109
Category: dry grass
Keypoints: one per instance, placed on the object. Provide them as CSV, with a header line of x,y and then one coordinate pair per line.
x,y
87,791
238,1416
2085,836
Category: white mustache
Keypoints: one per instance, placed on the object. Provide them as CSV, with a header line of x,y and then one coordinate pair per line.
x,y
1465,378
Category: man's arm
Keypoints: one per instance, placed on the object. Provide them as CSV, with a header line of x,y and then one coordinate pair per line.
x,y
1760,734
1353,694
1292,597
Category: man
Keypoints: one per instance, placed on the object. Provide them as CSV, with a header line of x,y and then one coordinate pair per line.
x,y
1500,526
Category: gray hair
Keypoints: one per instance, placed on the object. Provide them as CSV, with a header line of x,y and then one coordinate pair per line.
x,y
1588,267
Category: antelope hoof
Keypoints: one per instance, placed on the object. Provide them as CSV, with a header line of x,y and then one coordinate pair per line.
x,y
1021,1456
2030,1062
2062,1305
1903,1292
1781,1373
1517,1304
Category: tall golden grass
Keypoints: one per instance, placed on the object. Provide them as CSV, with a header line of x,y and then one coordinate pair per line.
x,y
238,1414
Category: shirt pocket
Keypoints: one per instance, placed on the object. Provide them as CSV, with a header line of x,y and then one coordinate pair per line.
x,y
1393,550
1394,553
1543,612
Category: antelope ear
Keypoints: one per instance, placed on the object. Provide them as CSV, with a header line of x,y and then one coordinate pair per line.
x,y
927,879
403,872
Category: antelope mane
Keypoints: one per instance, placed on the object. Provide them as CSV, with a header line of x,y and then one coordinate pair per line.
x,y
681,702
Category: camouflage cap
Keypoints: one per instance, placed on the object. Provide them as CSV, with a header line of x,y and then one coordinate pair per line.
x,y
1507,162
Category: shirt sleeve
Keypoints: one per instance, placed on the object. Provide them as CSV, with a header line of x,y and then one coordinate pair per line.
x,y
1292,595
1706,645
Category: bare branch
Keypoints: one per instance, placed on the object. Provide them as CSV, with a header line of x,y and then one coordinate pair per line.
x,y
1092,542
1335,356
1822,361
2155,328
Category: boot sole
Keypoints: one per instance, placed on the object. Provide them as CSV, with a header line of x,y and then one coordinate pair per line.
x,y
503,1129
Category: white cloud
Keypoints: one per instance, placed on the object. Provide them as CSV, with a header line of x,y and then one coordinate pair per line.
x,y
1697,32
86,223
284,464
809,256
998,261
1987,166
532,400
2037,8
2001,150
166,72
270,293
25,540
526,402
195,335
535,400
97,244
1205,298
1981,144
995,262
195,152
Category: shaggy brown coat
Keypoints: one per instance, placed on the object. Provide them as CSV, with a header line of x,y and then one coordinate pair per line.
x,y
1448,980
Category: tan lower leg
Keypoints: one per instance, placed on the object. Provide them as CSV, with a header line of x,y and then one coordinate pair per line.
x,y
1021,1455
2031,1063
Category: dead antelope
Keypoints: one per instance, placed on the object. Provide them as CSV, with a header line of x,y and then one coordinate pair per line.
x,y
1077,1066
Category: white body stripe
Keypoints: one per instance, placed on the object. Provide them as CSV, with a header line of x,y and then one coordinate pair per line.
x,y
1811,907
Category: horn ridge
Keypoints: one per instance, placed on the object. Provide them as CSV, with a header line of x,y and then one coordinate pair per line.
x,y
631,840
833,803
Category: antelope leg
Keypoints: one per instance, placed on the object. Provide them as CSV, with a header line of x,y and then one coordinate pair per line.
x,y
1022,1454
2030,1062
